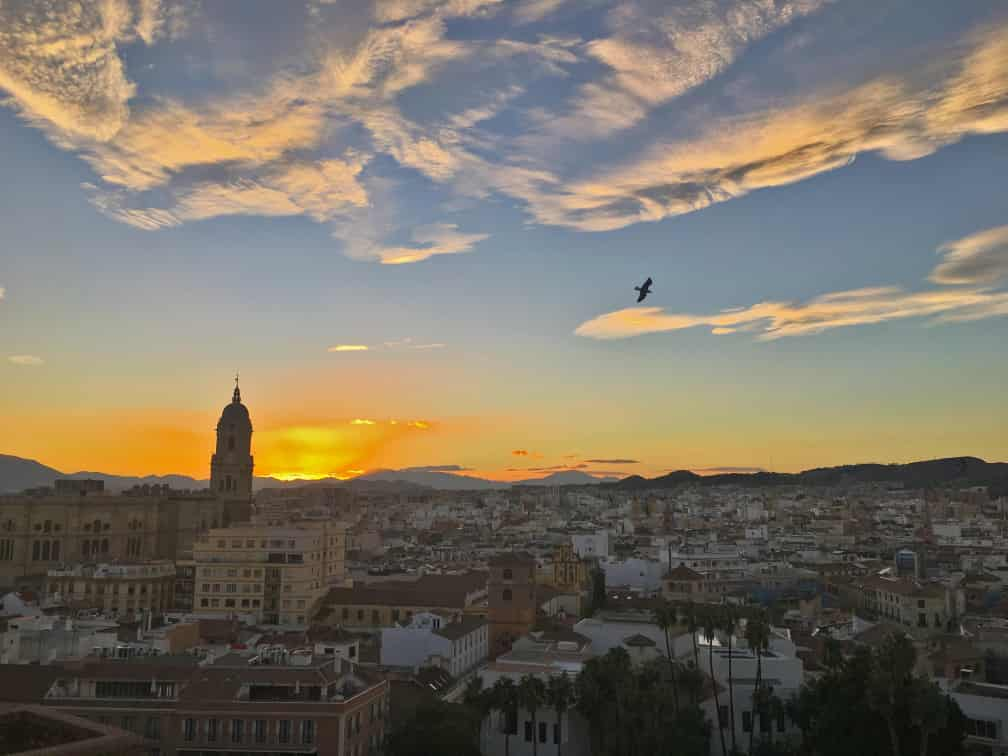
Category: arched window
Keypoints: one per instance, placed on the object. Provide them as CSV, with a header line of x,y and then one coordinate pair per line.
x,y
55,551
36,546
507,594
45,551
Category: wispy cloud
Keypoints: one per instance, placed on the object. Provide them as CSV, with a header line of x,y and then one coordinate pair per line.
x,y
978,258
348,348
26,360
437,468
520,452
613,461
337,136
901,116
362,421
437,239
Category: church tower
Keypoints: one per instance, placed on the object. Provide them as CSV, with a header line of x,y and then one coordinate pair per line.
x,y
231,464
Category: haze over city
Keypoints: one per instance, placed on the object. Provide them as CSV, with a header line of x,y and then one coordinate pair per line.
x,y
415,229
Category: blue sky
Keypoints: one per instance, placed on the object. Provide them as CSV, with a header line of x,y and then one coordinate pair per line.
x,y
471,189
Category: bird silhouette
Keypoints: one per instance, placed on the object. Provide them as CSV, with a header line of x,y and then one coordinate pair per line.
x,y
644,290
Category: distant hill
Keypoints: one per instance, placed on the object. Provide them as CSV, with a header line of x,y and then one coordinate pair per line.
x,y
445,481
952,471
565,478
17,474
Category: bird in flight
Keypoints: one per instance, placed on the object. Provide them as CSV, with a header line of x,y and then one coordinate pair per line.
x,y
644,290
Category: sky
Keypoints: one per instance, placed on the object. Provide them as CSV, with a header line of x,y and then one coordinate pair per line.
x,y
414,228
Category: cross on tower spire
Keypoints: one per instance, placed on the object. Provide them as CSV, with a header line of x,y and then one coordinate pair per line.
x,y
237,392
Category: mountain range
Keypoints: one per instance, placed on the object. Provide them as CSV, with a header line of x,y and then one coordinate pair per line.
x,y
950,471
17,474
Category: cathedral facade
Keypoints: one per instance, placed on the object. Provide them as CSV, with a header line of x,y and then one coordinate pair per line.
x,y
39,532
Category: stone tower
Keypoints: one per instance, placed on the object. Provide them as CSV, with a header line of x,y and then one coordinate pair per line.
x,y
511,605
231,464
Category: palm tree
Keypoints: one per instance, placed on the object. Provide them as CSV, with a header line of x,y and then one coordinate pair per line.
x,y
666,617
504,696
531,695
929,711
479,701
560,695
710,626
894,663
729,624
757,635
690,615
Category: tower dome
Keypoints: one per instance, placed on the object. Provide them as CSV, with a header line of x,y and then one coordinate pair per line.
x,y
231,465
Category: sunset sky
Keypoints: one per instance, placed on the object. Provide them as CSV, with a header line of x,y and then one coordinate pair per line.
x,y
415,227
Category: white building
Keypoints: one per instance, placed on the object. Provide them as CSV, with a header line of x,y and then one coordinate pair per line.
x,y
44,640
591,544
782,671
432,641
542,657
638,575
986,709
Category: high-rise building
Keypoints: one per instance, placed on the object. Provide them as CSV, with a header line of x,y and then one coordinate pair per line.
x,y
231,463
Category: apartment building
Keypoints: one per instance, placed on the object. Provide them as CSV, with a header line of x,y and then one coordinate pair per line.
x,y
391,602
294,703
123,590
276,575
924,608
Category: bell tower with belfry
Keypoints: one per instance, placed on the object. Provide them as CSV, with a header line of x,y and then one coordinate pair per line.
x,y
231,464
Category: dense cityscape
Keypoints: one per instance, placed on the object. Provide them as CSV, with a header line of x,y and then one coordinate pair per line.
x,y
857,613
610,378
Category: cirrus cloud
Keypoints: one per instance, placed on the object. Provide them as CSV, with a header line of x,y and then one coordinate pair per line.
x,y
975,259
26,360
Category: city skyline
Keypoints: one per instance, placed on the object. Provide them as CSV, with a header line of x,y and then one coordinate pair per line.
x,y
415,228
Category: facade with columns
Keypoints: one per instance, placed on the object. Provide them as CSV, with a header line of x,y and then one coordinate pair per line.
x,y
43,531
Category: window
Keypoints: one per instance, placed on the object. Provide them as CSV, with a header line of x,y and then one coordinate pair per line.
x,y
507,573
746,721
260,731
921,620
128,723
237,730
920,604
506,595
764,722
189,729
781,722
528,732
375,617
284,731
360,615
346,613
723,716
308,732
395,615
982,728
542,732
36,550
212,729
556,734
153,729
204,603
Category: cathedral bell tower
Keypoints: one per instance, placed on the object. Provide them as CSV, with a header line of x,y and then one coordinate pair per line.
x,y
231,464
